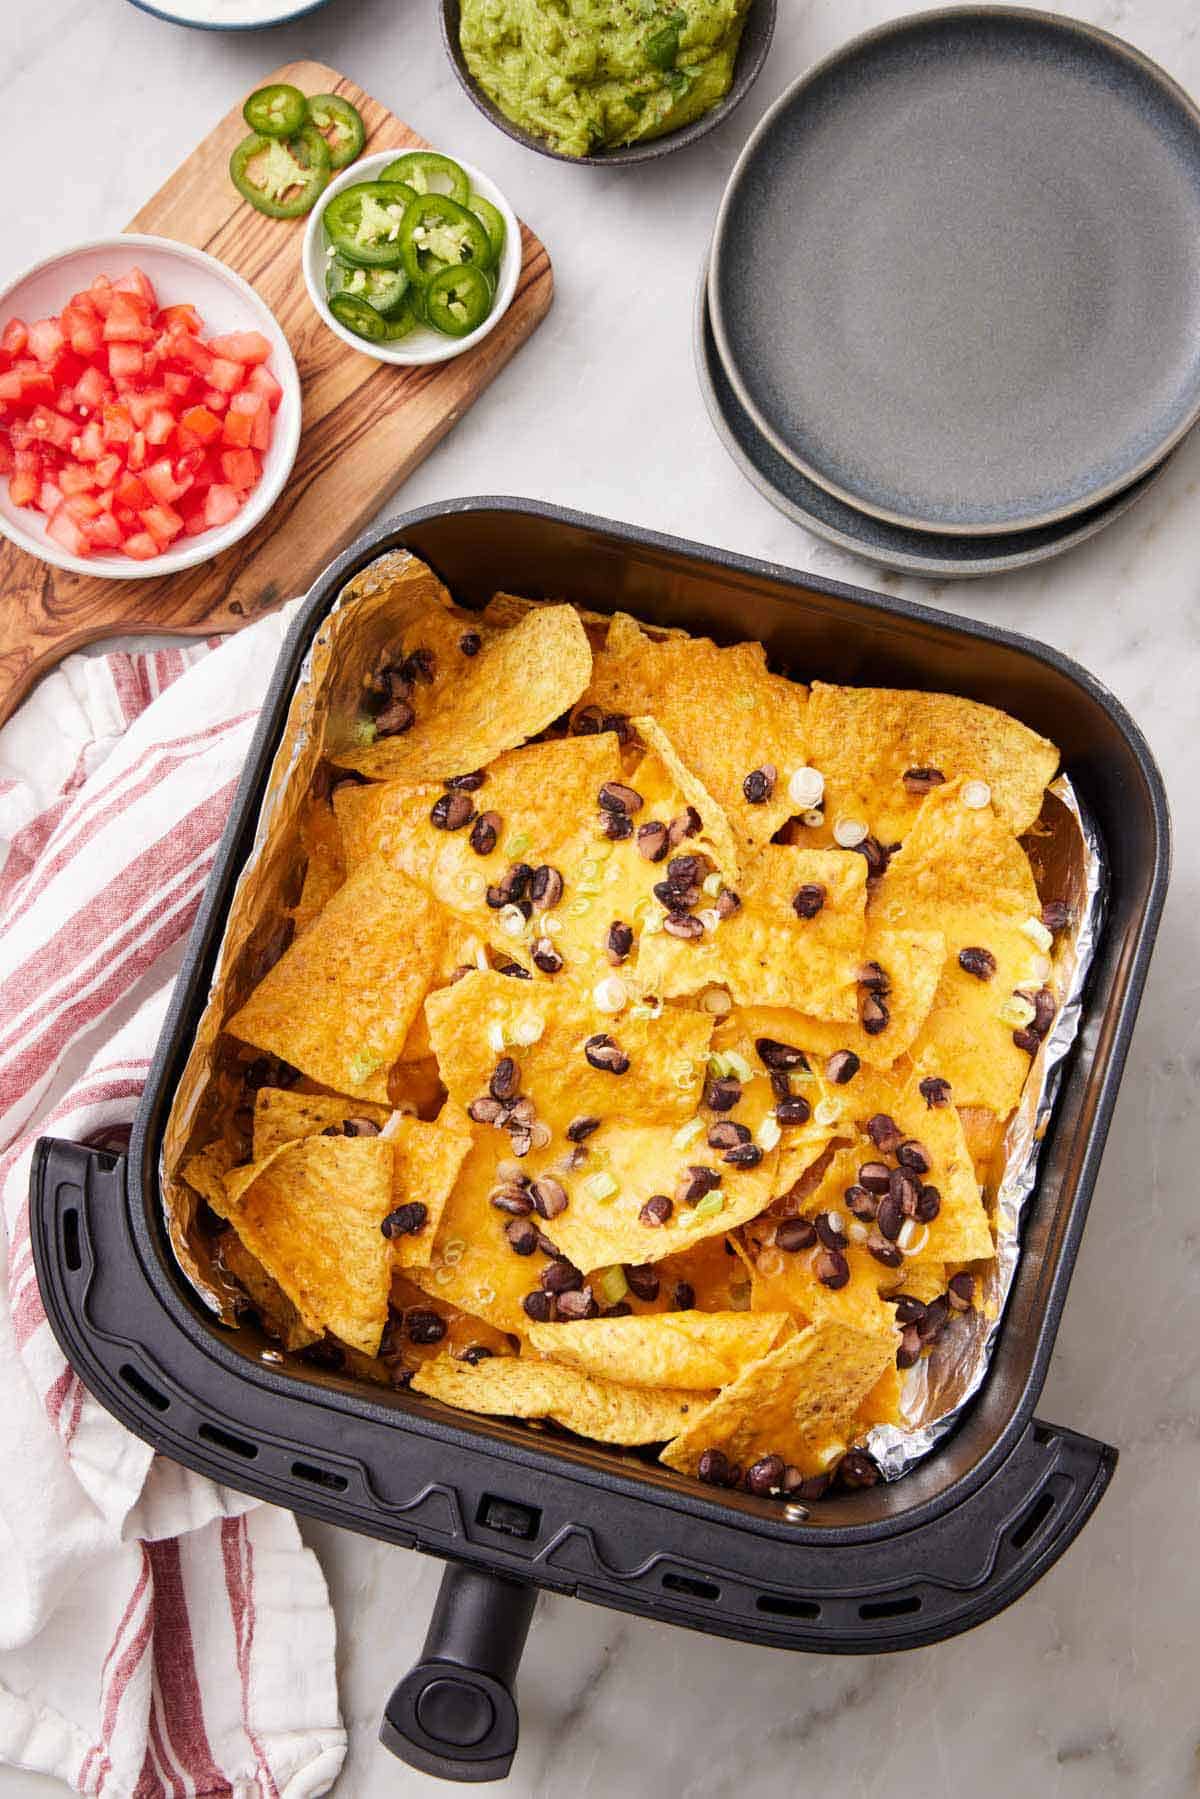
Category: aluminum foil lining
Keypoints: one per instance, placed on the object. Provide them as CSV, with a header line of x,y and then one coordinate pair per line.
x,y
937,1387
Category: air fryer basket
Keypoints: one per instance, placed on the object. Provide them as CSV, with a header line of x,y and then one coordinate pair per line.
x,y
959,1538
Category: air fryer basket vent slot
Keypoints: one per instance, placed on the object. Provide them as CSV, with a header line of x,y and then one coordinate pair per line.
x,y
1034,1518
320,1477
777,1606
72,1248
890,1608
225,1439
689,1584
143,1388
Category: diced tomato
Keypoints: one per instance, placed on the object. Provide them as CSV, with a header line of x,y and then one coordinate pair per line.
x,y
143,406
14,339
180,347
127,322
108,469
226,376
51,427
46,339
91,388
263,382
160,425
177,383
23,487
163,483
50,497
82,507
64,530
141,546
163,524
7,464
180,318
248,347
216,402
89,445
240,468
131,491
125,361
116,422
221,504
73,477
134,282
238,430
202,423
100,294
81,328
136,455
103,533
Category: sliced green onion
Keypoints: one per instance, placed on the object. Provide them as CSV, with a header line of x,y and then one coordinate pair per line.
x,y
497,1042
364,731
612,1284
517,844
578,908
363,1067
687,1133
710,1205
598,1186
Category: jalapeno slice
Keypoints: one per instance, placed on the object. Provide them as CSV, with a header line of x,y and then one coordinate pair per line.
x,y
359,317
364,223
437,233
340,124
276,111
457,300
428,173
384,289
281,177
492,220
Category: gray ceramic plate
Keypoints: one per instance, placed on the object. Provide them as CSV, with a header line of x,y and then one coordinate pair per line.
x,y
875,540
956,272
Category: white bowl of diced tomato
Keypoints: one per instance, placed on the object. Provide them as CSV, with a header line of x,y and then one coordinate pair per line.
x,y
149,408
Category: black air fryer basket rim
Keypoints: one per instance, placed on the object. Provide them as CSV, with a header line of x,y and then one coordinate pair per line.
x,y
525,1448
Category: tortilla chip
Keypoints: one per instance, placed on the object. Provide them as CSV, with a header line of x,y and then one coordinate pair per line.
x,y
519,1388
715,833
882,1405
864,738
339,1002
919,1280
311,1215
518,684
983,1133
667,1349
721,708
764,954
504,609
281,1115
795,1402
469,1022
791,1286
325,869
471,1264
276,1312
428,1158
206,1172
463,1330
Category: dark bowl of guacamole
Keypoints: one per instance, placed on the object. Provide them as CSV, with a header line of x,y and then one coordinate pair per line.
x,y
607,81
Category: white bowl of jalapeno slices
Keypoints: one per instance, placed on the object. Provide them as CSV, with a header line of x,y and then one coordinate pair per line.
x,y
411,256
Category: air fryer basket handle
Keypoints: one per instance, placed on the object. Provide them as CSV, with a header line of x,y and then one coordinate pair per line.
x,y
453,1715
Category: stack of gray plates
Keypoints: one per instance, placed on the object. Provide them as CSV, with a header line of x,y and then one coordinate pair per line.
x,y
951,318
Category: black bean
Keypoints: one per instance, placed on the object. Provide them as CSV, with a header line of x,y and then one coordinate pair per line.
x,y
979,962
857,1469
759,785
877,857
560,1276
485,832
587,722
890,1217
1044,1008
933,1323
619,942
874,978
520,1139
514,971
795,1109
359,1127
468,783
922,780
722,1092
864,1205
656,1211
728,903
522,1236
395,719
545,957
781,1083
576,1303
1027,1040
715,1469
779,1056
808,900
832,1269
652,841
548,1195
842,1066
694,1183
538,1306
876,1177
615,796
806,1486
684,824
514,884
929,1204
451,811
406,1221
419,665
884,1133
470,643
581,1128
683,924
905,1189
1056,915
669,896
909,1352
616,825
908,1309
766,1475
935,1091
506,1079
424,1327
485,1110
913,1154
743,1155
727,1133
683,1296
545,887
960,1292
547,1248
643,1279
475,1353
873,1015
620,723
606,1055
828,1233
685,872
795,1234
883,1251
511,1199
521,1112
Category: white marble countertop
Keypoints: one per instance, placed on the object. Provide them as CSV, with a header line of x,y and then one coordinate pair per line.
x,y
1087,1687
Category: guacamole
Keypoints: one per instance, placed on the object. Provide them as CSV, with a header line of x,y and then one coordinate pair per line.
x,y
590,75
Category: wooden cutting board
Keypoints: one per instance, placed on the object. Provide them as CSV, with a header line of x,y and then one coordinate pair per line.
x,y
366,424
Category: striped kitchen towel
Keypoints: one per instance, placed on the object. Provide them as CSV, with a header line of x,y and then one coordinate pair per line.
x,y
159,1635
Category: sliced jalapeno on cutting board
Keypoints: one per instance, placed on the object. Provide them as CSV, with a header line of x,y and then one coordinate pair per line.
x,y
384,289
276,111
281,176
492,220
340,124
428,173
456,301
437,233
364,223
